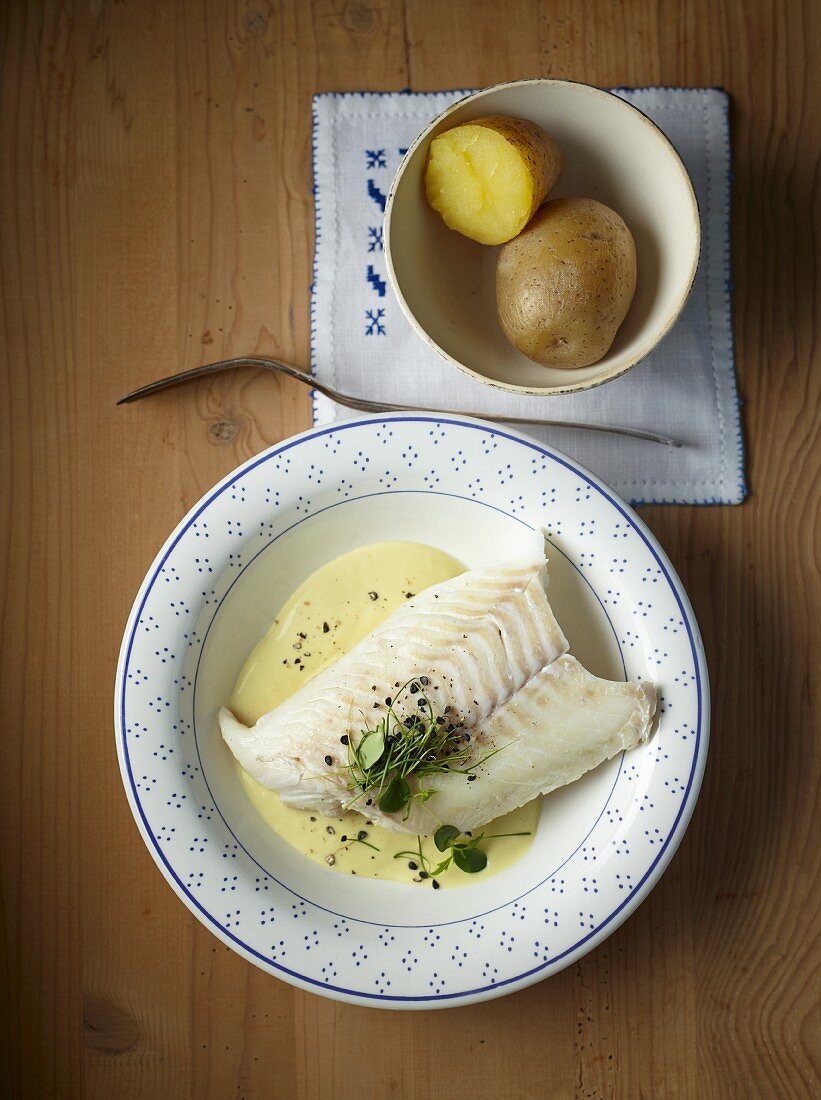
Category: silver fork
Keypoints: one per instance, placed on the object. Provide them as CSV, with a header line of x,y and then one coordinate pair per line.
x,y
277,366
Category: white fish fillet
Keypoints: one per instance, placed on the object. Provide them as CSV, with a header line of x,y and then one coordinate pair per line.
x,y
488,643
561,724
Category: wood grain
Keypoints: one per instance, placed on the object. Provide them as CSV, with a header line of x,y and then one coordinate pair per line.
x,y
155,212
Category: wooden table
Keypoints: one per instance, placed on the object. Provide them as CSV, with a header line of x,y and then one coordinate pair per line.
x,y
156,212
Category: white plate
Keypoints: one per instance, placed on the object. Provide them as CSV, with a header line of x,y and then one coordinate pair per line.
x,y
473,490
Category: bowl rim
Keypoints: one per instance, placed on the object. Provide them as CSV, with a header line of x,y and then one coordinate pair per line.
x,y
570,387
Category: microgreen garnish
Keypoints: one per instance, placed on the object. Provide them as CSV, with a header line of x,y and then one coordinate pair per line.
x,y
404,746
347,841
465,854
371,748
444,837
397,795
468,859
367,843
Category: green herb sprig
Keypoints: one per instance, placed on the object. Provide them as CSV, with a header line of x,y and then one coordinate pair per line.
x,y
464,851
384,758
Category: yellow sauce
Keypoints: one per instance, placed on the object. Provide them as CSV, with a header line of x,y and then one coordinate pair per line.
x,y
325,617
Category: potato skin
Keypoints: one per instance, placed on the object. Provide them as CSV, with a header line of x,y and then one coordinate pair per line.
x,y
565,284
539,150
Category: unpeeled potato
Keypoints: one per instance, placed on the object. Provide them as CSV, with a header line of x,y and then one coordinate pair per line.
x,y
565,284
487,178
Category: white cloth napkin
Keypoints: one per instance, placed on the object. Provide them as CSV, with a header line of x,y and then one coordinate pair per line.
x,y
362,344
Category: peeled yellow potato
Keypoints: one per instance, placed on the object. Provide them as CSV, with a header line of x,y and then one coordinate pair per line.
x,y
564,285
487,178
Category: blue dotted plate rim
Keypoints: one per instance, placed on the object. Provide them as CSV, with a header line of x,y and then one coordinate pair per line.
x,y
585,943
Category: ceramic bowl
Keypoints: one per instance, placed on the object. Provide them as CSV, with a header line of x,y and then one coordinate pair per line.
x,y
446,284
601,843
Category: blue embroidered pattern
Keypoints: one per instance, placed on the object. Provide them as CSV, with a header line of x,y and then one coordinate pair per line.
x,y
376,282
376,195
374,322
375,318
